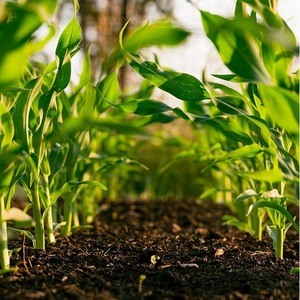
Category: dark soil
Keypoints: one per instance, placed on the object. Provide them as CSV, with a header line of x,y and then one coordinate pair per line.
x,y
193,257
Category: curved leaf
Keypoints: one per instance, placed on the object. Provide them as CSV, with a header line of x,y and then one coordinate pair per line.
x,y
183,86
236,43
273,205
245,195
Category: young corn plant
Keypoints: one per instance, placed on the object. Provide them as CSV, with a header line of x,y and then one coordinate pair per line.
x,y
33,116
13,61
275,206
11,170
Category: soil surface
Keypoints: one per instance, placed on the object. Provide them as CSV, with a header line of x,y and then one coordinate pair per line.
x,y
154,250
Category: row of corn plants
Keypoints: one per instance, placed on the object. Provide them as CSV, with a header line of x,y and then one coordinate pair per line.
x,y
250,116
60,141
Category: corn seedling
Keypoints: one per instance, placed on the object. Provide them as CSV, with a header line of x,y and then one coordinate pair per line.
x,y
275,206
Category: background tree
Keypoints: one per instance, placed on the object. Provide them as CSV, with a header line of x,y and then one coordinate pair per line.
x,y
102,20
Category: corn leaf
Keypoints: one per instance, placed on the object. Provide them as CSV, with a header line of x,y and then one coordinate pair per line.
x,y
266,176
159,33
108,91
231,105
228,126
6,127
88,104
282,107
28,17
247,151
236,43
183,86
273,205
68,40
18,217
245,195
144,107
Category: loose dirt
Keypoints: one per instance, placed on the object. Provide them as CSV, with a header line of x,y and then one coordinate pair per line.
x,y
155,250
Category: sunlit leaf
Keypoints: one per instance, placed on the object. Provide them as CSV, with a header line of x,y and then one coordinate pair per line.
x,y
247,151
246,195
273,205
236,43
18,217
282,107
6,126
68,40
227,126
159,33
28,17
144,107
231,105
108,91
183,86
266,175
63,77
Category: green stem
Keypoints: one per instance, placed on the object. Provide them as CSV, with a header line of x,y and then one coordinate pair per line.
x,y
49,217
278,243
37,215
49,227
256,221
4,256
68,211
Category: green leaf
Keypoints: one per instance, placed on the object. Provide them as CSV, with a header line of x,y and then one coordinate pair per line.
x,y
231,105
229,127
66,188
21,111
75,125
86,72
247,151
282,107
144,107
68,40
28,17
236,42
88,105
156,118
183,86
233,221
63,77
295,271
31,162
26,233
109,91
270,176
231,77
263,131
6,127
273,205
159,33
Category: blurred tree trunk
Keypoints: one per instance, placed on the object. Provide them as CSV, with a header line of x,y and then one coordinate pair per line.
x,y
102,20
